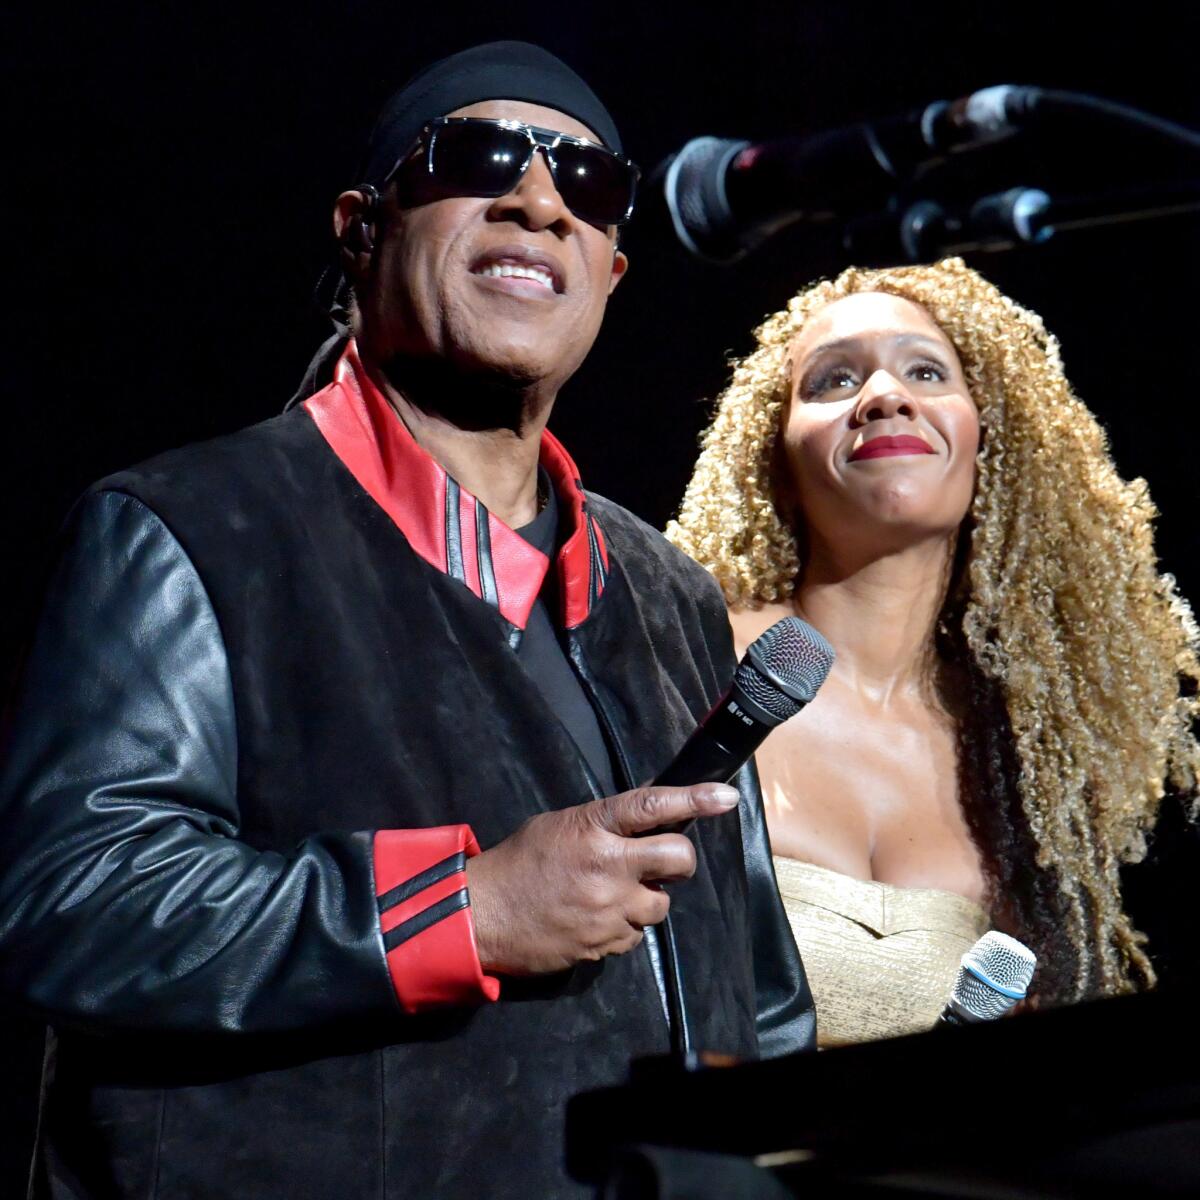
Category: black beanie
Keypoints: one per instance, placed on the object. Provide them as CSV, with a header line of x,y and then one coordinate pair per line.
x,y
495,71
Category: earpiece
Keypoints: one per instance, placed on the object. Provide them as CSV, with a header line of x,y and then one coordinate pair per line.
x,y
358,232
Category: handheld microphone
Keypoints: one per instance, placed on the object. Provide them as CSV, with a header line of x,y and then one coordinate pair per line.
x,y
726,196
778,675
994,976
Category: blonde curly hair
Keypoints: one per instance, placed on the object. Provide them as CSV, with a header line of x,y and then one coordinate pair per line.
x,y
1057,612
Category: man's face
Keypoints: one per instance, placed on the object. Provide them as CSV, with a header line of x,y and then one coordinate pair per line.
x,y
434,288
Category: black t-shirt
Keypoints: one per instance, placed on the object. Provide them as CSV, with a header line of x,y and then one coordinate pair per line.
x,y
541,653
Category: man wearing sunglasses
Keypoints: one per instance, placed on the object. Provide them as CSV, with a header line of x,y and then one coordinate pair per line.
x,y
322,848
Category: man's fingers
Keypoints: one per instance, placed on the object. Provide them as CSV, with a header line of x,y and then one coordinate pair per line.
x,y
662,858
649,808
650,908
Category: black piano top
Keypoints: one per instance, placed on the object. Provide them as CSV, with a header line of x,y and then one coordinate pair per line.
x,y
1113,1085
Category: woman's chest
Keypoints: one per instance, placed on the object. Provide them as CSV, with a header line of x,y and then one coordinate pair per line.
x,y
872,795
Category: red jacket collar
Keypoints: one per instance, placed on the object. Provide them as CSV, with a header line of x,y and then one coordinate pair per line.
x,y
445,524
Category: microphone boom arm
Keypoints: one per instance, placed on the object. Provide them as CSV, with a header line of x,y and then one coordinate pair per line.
x,y
726,196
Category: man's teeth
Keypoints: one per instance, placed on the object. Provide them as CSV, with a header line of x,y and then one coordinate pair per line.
x,y
508,270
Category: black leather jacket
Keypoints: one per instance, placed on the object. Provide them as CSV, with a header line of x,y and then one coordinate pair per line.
x,y
244,672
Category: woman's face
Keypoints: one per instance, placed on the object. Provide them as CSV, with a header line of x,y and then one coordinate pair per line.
x,y
880,433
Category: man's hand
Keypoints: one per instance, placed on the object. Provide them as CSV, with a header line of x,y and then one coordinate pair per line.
x,y
575,885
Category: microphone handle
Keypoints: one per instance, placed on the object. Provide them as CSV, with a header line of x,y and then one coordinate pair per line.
x,y
816,177
721,745
949,1017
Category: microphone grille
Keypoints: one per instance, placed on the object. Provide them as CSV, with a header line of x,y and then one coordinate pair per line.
x,y
784,667
994,975
694,191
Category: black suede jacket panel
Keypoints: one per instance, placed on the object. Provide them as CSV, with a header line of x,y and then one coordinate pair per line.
x,y
244,670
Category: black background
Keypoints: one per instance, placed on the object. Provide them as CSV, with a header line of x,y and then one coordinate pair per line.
x,y
175,167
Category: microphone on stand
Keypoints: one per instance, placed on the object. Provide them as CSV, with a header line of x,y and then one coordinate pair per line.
x,y
994,976
725,196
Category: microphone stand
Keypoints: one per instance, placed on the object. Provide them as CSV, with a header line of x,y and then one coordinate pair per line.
x,y
723,197
925,230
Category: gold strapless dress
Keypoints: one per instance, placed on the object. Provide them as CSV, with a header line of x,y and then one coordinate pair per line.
x,y
881,959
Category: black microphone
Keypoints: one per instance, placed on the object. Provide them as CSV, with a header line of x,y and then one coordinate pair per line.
x,y
778,675
726,196
993,977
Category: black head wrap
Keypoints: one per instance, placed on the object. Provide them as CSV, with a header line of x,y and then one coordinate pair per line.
x,y
495,71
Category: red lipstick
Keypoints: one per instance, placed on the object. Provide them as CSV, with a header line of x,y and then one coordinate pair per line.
x,y
889,447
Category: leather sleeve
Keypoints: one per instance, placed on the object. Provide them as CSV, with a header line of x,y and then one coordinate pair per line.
x,y
786,1015
127,901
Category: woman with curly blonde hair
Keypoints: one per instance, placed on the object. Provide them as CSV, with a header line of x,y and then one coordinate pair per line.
x,y
902,462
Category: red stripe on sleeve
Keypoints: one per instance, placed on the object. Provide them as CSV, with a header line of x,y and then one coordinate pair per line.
x,y
439,965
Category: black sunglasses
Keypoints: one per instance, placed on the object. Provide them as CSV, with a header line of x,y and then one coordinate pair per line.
x,y
479,156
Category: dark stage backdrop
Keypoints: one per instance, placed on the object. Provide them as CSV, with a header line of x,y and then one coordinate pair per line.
x,y
178,164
